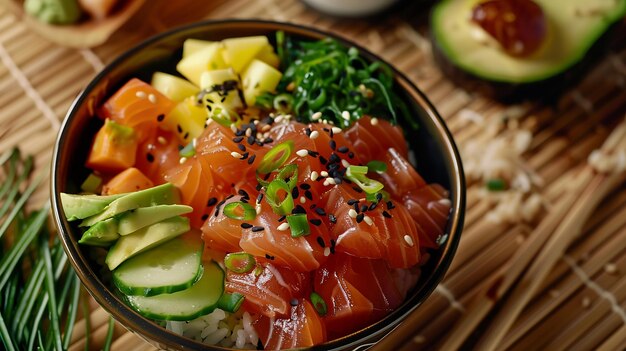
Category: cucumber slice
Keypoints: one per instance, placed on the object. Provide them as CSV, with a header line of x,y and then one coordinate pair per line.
x,y
198,300
136,219
101,234
170,267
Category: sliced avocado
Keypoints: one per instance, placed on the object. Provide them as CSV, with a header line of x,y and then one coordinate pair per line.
x,y
165,194
101,234
83,206
469,55
129,245
136,219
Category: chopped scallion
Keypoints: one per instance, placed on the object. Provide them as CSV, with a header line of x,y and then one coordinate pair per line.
x,y
230,302
276,157
278,195
377,166
356,175
240,210
299,225
188,151
289,174
239,262
319,304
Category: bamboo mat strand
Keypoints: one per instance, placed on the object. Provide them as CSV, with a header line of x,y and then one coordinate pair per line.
x,y
581,303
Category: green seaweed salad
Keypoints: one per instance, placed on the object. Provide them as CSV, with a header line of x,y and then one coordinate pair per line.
x,y
328,77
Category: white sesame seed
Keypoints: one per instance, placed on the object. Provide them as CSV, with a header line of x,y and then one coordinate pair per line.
x,y
368,220
314,175
258,209
345,115
345,163
325,121
140,94
208,121
302,199
266,128
182,160
302,153
445,202
152,98
331,181
374,121
352,213
161,140
316,116
194,142
233,127
324,174
248,132
259,135
408,240
256,122
326,251
283,226
336,130
314,134
326,183
235,154
279,119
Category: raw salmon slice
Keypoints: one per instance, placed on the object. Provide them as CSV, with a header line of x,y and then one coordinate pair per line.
x,y
430,207
370,141
157,154
220,232
400,176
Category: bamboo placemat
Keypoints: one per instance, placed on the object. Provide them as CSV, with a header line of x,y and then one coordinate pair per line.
x,y
581,305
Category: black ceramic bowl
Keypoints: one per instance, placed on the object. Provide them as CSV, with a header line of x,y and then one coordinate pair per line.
x,y
437,155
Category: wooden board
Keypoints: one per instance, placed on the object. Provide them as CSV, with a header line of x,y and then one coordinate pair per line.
x,y
582,303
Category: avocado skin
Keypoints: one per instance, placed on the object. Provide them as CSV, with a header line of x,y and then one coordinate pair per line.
x,y
546,90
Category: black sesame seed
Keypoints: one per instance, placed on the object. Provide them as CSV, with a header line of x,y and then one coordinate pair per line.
x,y
251,159
386,214
217,208
293,302
186,136
243,193
323,160
269,257
160,118
295,193
251,139
390,205
150,157
332,218
312,206
332,245
308,195
316,222
333,158
244,156
332,134
179,128
298,209
312,153
259,198
240,132
357,189
305,186
257,228
241,147
356,207
246,225
231,195
320,211
308,131
244,200
337,180
238,139
212,201
268,140
326,129
379,196
352,202
351,154
204,217
343,149
363,208
281,218
372,206
359,217
258,187
321,242
333,144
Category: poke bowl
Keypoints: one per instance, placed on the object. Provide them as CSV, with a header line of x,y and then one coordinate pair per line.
x,y
275,251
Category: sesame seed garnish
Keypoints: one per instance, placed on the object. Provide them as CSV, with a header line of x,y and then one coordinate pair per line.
x,y
336,130
332,144
246,225
152,98
305,186
390,205
248,132
332,245
241,147
302,153
327,251
345,163
320,211
343,149
316,116
251,159
140,94
208,121
352,201
314,175
194,142
352,213
283,226
314,134
313,153
204,217
212,201
233,127
257,228
235,154
408,240
302,199
351,154
324,174
150,157
295,192
179,128
359,217
374,121
279,119
372,206
160,117
332,218
282,218
368,220
610,268
323,160
266,128
237,139
316,222
298,209
161,140
308,194
386,214
269,257
363,208
345,115
243,193
321,242
182,160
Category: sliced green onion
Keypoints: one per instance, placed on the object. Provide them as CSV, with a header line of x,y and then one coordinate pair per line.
x,y
377,166
356,175
289,174
283,103
273,191
373,197
239,262
91,184
319,304
276,157
230,302
496,184
240,210
188,151
299,225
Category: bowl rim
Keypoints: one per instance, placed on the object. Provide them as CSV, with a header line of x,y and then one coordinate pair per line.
x,y
150,331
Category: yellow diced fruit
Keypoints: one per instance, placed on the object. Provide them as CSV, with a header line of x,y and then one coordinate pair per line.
x,y
238,52
175,88
223,86
209,58
259,78
189,116
191,46
268,56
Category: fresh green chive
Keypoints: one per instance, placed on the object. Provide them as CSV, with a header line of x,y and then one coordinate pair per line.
x,y
278,195
276,157
299,225
319,304
230,302
377,166
283,103
240,211
188,151
289,174
356,175
239,262
109,338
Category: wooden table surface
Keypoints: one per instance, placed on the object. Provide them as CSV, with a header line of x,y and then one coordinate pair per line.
x,y
580,305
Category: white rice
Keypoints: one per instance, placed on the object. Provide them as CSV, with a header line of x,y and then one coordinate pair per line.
x,y
219,328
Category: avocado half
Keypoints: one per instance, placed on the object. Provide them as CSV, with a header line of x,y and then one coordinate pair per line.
x,y
578,32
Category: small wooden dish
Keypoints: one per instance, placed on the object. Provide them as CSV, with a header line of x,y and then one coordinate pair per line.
x,y
84,34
